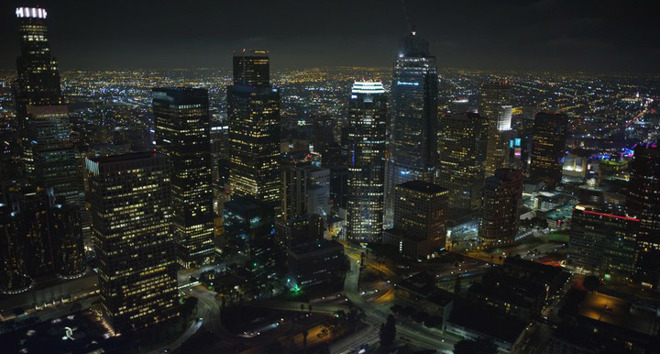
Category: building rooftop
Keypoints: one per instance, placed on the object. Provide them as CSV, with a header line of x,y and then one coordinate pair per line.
x,y
424,187
131,156
486,321
617,312
320,246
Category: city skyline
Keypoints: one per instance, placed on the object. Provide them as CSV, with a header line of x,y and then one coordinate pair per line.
x,y
538,36
373,210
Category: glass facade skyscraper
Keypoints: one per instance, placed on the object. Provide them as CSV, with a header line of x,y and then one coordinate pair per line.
x,y
254,131
495,106
414,121
130,204
47,153
500,213
183,134
365,137
602,242
38,82
462,150
548,147
252,68
643,203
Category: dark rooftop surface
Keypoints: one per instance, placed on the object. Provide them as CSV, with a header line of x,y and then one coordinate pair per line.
x,y
424,187
486,321
132,156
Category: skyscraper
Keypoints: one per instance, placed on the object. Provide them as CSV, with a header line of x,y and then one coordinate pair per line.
x,y
495,106
183,134
643,203
305,190
365,132
39,234
502,196
462,149
254,130
130,204
420,219
46,149
414,125
548,146
38,82
602,242
252,68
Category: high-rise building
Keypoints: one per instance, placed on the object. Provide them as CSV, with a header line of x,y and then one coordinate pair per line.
x,y
250,220
548,146
67,240
39,234
462,149
130,204
420,219
365,132
300,229
495,106
38,82
14,275
414,123
183,134
643,203
252,68
48,157
500,215
305,190
254,130
602,242
253,222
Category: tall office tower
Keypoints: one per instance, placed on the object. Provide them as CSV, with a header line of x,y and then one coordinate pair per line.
x,y
495,106
130,204
414,125
305,190
250,220
602,242
49,158
293,191
253,222
300,229
31,207
47,153
252,68
254,130
14,276
38,82
643,203
548,146
502,196
367,112
462,149
181,118
39,235
420,219
67,240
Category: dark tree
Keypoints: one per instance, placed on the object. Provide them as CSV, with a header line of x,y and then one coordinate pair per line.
x,y
388,332
479,346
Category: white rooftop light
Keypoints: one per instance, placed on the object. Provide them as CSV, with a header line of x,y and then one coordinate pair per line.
x,y
370,87
31,12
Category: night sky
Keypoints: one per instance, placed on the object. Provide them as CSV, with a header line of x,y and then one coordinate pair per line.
x,y
566,35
